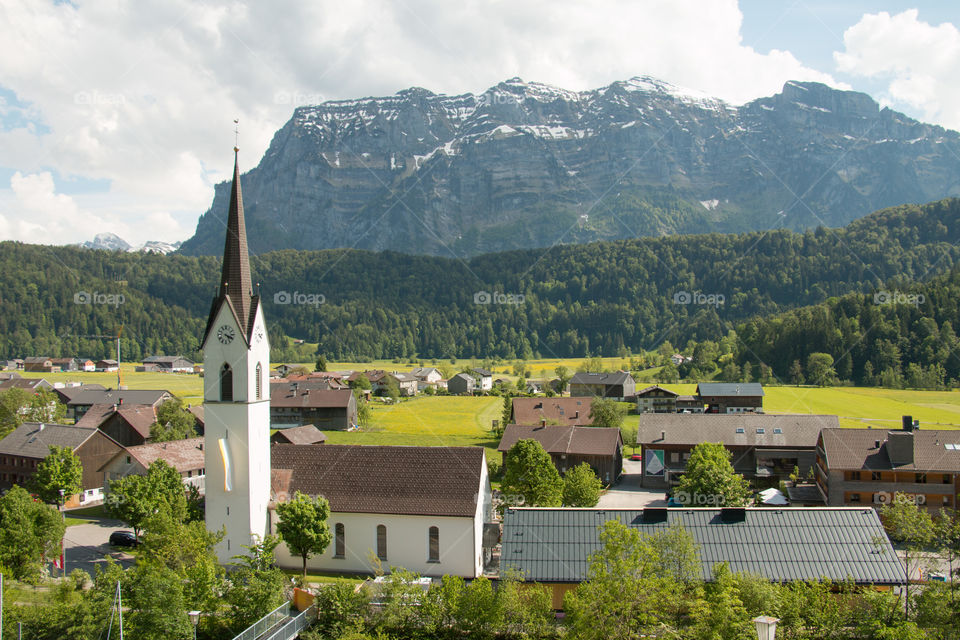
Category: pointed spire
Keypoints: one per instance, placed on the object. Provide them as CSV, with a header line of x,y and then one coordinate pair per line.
x,y
235,278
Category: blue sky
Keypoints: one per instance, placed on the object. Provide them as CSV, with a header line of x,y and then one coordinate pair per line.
x,y
117,115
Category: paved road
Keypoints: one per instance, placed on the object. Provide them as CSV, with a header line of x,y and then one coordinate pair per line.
x,y
87,545
628,494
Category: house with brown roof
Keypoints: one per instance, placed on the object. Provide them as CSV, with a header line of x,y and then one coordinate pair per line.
x,y
23,449
461,384
107,365
763,446
39,363
186,456
128,424
293,406
552,411
168,364
618,385
421,508
731,397
31,385
65,364
89,395
568,446
869,466
307,434
67,391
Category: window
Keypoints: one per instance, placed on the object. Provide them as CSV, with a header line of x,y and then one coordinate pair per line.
x,y
740,430
946,501
226,383
434,545
854,475
777,430
259,382
854,497
761,430
128,459
381,542
920,478
338,541
946,478
674,456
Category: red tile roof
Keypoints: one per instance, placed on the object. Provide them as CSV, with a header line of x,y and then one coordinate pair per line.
x,y
438,481
587,441
562,411
182,455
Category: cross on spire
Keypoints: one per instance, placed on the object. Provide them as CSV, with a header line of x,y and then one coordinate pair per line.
x,y
236,135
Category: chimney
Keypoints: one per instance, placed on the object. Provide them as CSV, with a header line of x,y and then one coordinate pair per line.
x,y
543,422
120,401
900,447
41,427
906,423
876,444
663,435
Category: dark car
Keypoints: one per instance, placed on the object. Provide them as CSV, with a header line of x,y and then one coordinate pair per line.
x,y
123,539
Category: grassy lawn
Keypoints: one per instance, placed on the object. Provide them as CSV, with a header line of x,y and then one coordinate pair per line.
x,y
431,421
328,578
84,515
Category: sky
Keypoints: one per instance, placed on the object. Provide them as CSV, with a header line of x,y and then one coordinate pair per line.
x,y
117,115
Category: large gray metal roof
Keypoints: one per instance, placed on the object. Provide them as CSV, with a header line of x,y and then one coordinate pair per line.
x,y
730,389
554,545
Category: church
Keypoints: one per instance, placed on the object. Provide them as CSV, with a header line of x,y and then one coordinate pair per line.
x,y
426,509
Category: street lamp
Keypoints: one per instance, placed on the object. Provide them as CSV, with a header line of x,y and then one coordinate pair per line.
x,y
766,627
195,619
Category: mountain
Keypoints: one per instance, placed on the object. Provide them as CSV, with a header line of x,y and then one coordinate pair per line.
x,y
107,242
113,242
564,301
529,165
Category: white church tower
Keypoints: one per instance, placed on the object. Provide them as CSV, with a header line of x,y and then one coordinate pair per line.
x,y
236,397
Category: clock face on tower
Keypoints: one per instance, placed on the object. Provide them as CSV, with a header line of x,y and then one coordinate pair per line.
x,y
225,334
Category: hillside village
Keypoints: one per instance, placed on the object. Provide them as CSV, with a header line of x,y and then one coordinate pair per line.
x,y
802,503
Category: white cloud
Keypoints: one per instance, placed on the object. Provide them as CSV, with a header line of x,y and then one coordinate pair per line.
x,y
143,93
920,62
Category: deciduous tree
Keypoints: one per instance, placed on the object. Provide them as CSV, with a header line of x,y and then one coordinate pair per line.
x,y
710,480
61,470
581,487
607,412
303,526
529,472
29,532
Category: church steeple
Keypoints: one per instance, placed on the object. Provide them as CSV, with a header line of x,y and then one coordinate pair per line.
x,y
235,277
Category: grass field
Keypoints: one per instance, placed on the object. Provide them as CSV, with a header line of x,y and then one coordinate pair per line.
x,y
429,421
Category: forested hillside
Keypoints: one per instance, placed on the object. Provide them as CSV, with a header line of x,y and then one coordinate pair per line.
x,y
574,300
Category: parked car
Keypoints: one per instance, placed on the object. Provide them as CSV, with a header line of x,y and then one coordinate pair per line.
x,y
123,539
636,456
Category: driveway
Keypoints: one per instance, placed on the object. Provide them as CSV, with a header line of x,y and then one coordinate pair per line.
x,y
628,494
87,545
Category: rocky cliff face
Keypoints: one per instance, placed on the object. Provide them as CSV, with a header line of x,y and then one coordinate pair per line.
x,y
528,165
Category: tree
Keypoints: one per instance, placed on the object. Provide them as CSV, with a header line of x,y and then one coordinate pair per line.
x,y
158,609
256,586
911,527
391,388
563,378
174,422
947,536
581,487
29,532
710,480
13,403
135,498
722,614
321,363
669,373
364,412
359,384
796,373
303,525
820,369
45,406
607,412
529,472
58,476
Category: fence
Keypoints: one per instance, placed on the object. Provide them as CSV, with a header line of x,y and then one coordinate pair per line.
x,y
294,626
266,623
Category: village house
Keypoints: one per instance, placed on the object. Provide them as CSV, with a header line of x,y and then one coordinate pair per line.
x,y
763,446
656,399
307,434
293,406
731,397
30,385
421,508
66,391
869,466
462,384
569,446
27,445
186,456
39,363
619,385
128,424
552,411
552,547
88,396
65,364
87,365
167,364
484,379
426,377
107,365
